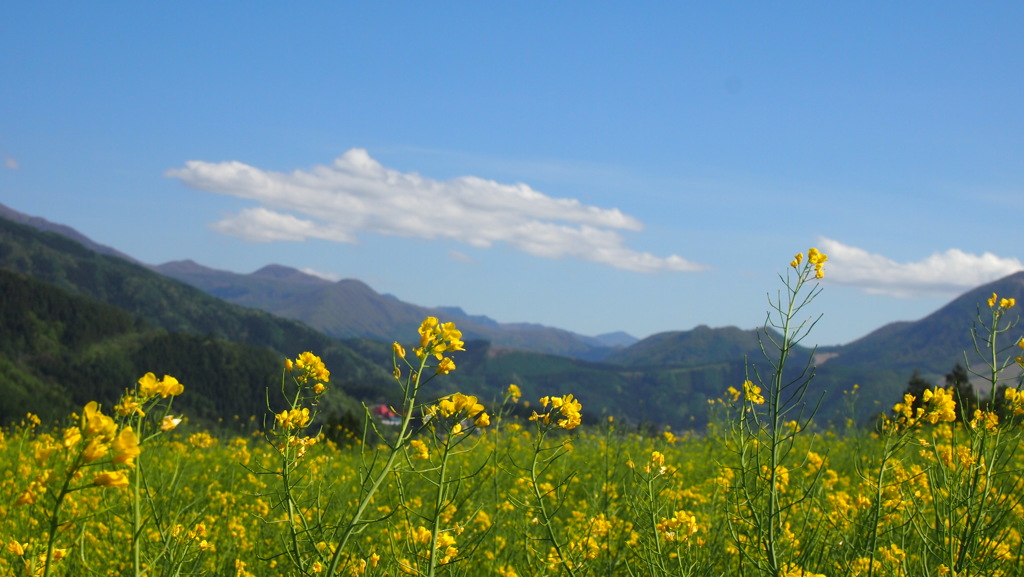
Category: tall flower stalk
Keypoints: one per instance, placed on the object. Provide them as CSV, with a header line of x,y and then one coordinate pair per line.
x,y
772,414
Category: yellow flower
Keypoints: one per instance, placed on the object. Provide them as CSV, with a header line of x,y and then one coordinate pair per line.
x,y
169,423
72,435
419,449
484,420
992,300
566,407
753,392
680,520
15,548
513,392
129,405
942,406
793,570
436,338
26,498
398,350
657,463
96,424
312,368
446,366
986,419
293,419
96,449
818,259
126,447
168,386
111,479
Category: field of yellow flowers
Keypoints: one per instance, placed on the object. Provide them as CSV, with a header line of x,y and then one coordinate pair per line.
x,y
464,488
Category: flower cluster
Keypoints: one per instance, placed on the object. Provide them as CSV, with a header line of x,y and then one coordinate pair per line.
x,y
565,409
994,302
458,407
679,527
512,393
150,387
308,367
815,258
437,339
445,544
752,392
1015,399
293,418
941,408
418,449
94,438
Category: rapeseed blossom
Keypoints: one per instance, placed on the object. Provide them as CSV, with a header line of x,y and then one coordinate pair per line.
x,y
165,387
942,406
111,479
126,447
310,368
419,449
752,392
566,407
293,418
437,339
457,407
513,393
814,257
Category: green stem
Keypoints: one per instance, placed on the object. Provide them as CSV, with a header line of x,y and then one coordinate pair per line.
x,y
404,433
55,516
439,505
545,516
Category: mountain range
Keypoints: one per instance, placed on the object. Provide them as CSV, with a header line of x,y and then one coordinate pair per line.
x,y
350,309
664,379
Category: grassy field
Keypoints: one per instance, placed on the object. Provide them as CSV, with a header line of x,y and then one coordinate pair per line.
x,y
459,488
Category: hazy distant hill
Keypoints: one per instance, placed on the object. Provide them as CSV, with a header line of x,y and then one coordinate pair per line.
x,y
937,341
701,346
666,378
882,361
349,308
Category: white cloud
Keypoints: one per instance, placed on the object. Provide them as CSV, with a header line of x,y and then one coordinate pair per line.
x,y
941,274
356,194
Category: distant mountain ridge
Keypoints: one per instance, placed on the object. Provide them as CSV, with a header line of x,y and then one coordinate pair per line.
x,y
667,376
44,225
349,308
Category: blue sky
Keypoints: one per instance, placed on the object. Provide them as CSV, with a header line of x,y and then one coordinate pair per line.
x,y
593,166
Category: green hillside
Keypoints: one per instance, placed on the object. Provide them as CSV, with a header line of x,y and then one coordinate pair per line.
x,y
86,324
59,350
112,319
